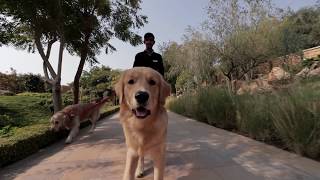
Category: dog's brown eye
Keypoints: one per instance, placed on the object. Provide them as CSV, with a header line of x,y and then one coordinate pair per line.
x,y
152,82
56,122
131,81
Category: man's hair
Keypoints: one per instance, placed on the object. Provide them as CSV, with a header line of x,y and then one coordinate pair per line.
x,y
148,35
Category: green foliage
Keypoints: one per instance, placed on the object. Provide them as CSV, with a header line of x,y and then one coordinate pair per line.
x,y
254,116
18,83
20,111
18,143
98,80
289,118
305,26
185,83
190,64
218,106
26,141
6,131
308,62
91,24
296,117
186,105
210,105
33,83
5,120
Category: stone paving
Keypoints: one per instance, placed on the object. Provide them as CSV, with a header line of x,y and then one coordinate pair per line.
x,y
195,151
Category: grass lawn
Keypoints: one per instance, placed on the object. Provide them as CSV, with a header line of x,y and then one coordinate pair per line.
x,y
21,111
25,110
24,125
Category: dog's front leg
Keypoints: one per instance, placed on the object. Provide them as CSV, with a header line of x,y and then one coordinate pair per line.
x,y
158,157
74,131
131,164
140,169
94,118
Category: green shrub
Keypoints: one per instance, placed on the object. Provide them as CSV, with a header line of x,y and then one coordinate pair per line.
x,y
6,120
253,116
289,117
30,139
185,105
296,117
7,131
40,95
211,105
308,62
218,106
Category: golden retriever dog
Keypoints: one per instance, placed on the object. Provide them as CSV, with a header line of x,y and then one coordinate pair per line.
x,y
142,92
71,116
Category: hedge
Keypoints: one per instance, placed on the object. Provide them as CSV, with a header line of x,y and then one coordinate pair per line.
x,y
32,138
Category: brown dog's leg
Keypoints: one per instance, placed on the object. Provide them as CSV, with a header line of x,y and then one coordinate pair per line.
x,y
140,169
158,157
131,165
74,131
94,118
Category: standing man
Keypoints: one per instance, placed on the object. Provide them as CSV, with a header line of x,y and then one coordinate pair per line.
x,y
148,58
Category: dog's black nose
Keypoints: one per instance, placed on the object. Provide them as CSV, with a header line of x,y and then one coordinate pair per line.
x,y
142,97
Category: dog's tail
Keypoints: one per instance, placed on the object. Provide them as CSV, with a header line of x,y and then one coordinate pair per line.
x,y
101,102
95,105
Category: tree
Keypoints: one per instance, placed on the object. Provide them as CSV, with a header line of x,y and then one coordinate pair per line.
x,y
241,35
34,25
82,26
305,25
98,80
95,22
171,53
33,83
190,64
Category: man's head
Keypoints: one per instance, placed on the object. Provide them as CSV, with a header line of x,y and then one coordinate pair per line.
x,y
149,40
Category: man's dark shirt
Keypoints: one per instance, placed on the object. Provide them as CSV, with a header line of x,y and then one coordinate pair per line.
x,y
154,61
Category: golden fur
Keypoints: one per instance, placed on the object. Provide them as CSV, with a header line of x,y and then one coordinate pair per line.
x,y
145,128
71,116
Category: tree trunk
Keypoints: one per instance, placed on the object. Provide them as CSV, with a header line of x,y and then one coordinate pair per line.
x,y
76,81
56,96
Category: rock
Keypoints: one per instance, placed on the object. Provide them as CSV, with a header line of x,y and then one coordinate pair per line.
x,y
314,72
303,73
315,65
278,74
257,85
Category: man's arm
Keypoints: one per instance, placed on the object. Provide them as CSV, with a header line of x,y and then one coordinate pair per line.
x,y
136,61
161,68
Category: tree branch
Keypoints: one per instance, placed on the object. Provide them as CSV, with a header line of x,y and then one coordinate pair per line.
x,y
46,75
43,56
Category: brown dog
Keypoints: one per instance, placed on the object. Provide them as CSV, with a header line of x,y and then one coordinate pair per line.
x,y
142,92
71,117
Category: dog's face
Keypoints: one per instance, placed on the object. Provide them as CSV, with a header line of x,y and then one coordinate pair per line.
x,y
57,121
142,90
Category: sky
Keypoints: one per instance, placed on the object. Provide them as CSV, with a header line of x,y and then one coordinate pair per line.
x,y
168,20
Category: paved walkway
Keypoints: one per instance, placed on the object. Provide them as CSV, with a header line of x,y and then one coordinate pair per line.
x,y
195,152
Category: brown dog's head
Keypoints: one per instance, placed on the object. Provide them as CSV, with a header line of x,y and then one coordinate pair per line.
x,y
142,90
60,120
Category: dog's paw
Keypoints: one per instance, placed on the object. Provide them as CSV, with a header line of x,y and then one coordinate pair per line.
x,y
68,140
91,131
140,175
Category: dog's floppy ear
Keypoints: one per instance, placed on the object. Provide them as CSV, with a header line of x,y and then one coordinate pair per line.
x,y
67,120
119,88
165,91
